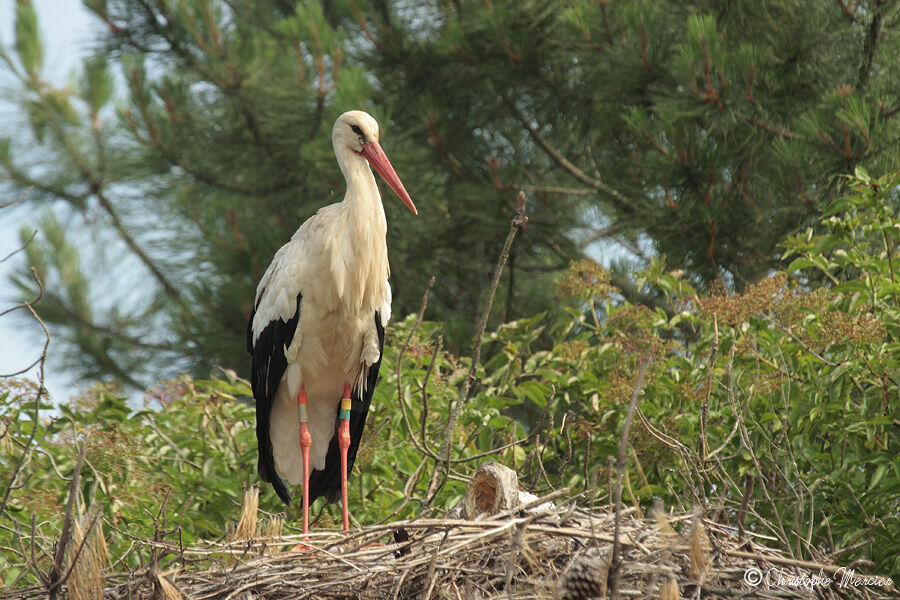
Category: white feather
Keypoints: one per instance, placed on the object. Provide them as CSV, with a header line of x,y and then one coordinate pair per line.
x,y
338,261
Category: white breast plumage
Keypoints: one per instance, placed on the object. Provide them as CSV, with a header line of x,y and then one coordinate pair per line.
x,y
318,324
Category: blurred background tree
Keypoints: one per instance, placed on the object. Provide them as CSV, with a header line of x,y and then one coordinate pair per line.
x,y
197,140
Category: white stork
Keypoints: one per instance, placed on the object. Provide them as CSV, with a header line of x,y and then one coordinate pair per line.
x,y
317,329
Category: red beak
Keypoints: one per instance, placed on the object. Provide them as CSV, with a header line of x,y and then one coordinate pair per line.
x,y
376,157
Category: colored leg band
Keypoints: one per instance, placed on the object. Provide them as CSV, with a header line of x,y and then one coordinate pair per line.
x,y
346,403
301,405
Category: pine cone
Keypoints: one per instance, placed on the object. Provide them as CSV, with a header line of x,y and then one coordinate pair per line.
x,y
584,579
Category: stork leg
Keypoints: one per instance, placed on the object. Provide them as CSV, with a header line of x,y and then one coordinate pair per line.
x,y
343,445
305,443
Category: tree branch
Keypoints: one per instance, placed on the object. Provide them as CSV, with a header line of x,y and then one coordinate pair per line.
x,y
55,577
635,296
15,174
518,221
622,202
16,201
132,244
38,394
419,444
870,45
769,128
95,184
615,561
20,248
552,189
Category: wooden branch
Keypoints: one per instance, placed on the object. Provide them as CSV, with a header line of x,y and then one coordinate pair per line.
x,y
55,577
635,296
19,249
870,45
518,221
17,200
23,178
553,189
769,127
622,203
41,391
418,443
615,560
132,244
95,184
704,407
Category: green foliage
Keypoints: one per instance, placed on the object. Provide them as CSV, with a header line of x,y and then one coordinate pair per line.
x,y
714,129
785,394
706,132
185,461
70,294
28,40
98,85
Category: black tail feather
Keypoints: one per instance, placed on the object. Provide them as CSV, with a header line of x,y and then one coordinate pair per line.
x,y
266,372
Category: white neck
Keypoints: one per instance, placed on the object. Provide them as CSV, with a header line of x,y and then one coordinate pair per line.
x,y
359,261
362,199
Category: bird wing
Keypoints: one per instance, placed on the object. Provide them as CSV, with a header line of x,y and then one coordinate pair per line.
x,y
327,482
270,330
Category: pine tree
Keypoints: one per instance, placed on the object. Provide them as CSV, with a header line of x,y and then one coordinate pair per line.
x,y
704,131
710,129
213,154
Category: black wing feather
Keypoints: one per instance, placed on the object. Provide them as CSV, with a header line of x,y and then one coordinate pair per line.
x,y
327,482
269,364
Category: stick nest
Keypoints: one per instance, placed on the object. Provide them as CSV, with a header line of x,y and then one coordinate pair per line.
x,y
539,550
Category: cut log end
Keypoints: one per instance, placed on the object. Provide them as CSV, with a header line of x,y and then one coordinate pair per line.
x,y
493,489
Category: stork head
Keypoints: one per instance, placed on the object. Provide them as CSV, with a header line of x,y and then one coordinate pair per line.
x,y
358,132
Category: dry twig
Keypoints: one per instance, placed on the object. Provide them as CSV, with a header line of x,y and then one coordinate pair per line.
x,y
518,221
615,562
40,391
450,559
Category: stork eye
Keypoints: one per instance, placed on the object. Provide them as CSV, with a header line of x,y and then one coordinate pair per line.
x,y
356,129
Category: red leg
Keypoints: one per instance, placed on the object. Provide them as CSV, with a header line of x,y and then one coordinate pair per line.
x,y
305,443
344,444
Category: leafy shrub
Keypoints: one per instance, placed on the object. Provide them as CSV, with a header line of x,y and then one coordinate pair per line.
x,y
786,394
774,409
